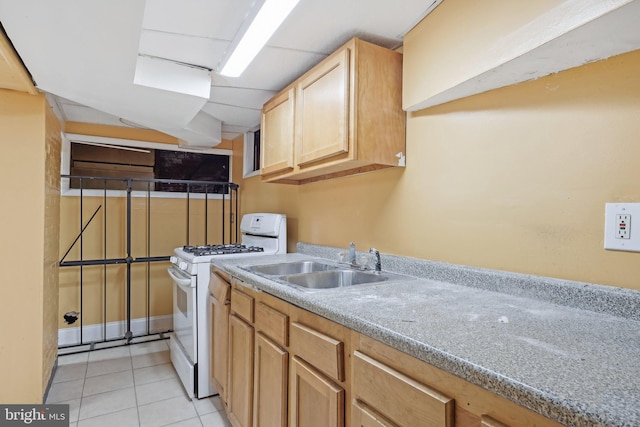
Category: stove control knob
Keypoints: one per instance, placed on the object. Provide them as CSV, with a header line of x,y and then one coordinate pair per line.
x,y
183,265
173,259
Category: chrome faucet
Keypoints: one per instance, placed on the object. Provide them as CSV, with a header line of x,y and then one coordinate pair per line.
x,y
352,253
376,253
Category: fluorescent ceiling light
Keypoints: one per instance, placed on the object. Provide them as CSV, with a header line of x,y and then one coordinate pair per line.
x,y
271,15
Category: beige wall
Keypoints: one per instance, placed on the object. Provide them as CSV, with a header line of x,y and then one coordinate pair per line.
x,y
514,179
31,143
52,147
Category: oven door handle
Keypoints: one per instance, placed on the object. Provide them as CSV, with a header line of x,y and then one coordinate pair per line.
x,y
179,277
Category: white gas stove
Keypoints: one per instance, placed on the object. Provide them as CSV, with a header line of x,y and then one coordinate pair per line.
x,y
262,234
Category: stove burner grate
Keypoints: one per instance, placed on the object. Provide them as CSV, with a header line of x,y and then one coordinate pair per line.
x,y
233,248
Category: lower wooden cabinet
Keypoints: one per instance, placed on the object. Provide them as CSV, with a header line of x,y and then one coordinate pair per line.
x,y
288,367
240,382
316,401
409,392
399,397
270,383
219,298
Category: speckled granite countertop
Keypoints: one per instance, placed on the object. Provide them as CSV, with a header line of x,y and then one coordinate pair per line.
x,y
576,366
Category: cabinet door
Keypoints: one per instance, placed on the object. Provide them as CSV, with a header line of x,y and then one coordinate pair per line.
x,y
240,380
270,384
322,110
277,133
220,308
315,400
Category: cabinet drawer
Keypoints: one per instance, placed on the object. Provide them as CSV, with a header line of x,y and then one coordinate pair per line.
x,y
321,351
398,397
487,421
242,305
219,287
273,324
363,416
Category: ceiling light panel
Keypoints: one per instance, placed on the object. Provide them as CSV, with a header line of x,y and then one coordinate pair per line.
x,y
243,50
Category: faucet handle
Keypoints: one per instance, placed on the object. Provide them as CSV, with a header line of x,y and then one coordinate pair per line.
x,y
376,253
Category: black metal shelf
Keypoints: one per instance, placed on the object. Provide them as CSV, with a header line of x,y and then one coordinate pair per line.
x,y
229,219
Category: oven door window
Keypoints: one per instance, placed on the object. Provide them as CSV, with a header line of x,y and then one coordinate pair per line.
x,y
181,302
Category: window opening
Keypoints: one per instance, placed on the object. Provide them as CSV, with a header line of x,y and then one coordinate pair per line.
x,y
251,153
104,160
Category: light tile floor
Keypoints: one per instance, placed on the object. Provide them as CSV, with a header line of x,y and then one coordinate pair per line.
x,y
132,385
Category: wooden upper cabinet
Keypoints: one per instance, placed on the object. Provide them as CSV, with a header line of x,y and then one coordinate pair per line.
x,y
277,133
323,110
348,117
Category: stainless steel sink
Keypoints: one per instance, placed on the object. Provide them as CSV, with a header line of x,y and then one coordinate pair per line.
x,y
339,279
288,268
317,276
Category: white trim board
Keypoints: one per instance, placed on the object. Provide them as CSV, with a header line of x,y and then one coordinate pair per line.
x,y
94,333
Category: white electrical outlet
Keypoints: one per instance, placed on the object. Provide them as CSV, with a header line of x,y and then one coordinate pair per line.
x,y
621,230
623,226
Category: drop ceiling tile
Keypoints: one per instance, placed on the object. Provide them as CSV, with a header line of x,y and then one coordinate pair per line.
x,y
201,51
230,135
206,18
235,129
80,113
240,97
237,116
86,51
65,101
231,132
373,20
